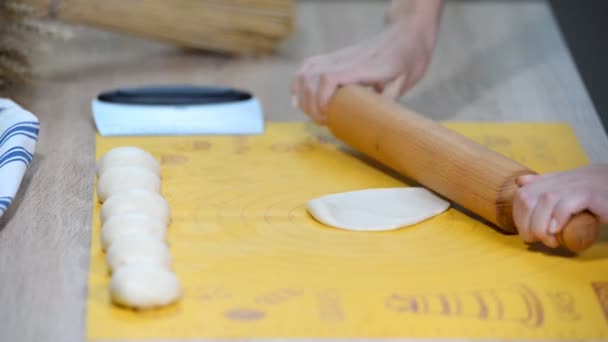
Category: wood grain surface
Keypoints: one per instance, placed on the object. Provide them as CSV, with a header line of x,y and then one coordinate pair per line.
x,y
495,61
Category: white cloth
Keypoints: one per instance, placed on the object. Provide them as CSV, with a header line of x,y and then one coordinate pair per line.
x,y
18,135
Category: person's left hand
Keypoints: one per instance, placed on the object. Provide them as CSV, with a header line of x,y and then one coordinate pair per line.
x,y
390,62
545,203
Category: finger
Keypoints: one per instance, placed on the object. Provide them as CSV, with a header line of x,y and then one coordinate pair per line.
x,y
552,233
567,207
303,94
302,81
598,205
308,84
378,88
527,179
362,74
552,241
523,205
311,103
541,218
394,89
294,101
303,72
295,89
328,83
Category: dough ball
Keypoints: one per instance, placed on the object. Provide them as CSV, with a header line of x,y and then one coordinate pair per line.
x,y
143,286
131,223
128,156
377,209
123,178
143,201
137,248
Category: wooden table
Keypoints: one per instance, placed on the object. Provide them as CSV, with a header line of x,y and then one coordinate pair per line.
x,y
496,61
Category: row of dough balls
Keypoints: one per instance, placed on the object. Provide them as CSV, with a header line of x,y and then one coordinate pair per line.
x,y
134,217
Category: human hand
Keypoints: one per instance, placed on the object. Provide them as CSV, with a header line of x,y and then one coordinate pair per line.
x,y
544,203
391,62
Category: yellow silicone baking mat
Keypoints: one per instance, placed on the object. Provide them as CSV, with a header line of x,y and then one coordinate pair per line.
x,y
254,264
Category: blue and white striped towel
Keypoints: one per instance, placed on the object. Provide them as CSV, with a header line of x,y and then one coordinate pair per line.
x,y
18,135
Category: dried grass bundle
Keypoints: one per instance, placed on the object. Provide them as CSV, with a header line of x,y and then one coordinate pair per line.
x,y
16,33
229,26
21,36
241,27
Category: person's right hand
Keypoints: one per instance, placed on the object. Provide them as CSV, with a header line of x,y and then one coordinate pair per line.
x,y
545,203
391,62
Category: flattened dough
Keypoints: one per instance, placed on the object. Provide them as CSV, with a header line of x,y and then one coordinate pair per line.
x,y
377,209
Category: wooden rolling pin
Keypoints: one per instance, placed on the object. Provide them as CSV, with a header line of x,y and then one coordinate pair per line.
x,y
440,159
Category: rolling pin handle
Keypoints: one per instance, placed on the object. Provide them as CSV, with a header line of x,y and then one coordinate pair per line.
x,y
580,232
